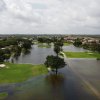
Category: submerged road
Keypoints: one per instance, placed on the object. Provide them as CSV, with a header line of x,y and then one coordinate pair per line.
x,y
83,78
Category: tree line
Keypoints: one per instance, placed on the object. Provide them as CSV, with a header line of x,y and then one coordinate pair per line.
x,y
13,46
93,46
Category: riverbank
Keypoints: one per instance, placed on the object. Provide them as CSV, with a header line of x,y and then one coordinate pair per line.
x,y
13,73
82,55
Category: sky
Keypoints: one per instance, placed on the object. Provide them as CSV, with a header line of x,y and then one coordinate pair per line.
x,y
49,16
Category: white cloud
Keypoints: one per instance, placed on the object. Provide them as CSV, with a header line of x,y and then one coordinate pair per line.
x,y
2,5
50,16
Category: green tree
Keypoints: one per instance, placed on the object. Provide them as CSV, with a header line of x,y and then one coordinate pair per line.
x,y
54,62
7,56
77,42
26,44
2,58
48,41
57,49
16,50
98,47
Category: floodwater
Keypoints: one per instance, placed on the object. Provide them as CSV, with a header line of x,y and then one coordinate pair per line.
x,y
72,48
88,69
66,86
38,55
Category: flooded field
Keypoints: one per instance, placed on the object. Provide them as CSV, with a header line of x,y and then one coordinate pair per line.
x,y
68,85
65,86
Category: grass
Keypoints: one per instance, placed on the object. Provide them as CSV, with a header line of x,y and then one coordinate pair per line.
x,y
67,44
44,45
13,73
3,95
82,55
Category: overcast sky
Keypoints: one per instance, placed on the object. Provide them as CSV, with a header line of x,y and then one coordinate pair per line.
x,y
50,16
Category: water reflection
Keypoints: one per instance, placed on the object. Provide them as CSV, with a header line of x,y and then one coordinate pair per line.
x,y
27,52
54,80
36,56
72,48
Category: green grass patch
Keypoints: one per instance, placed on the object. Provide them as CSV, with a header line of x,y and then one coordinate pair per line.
x,y
82,55
44,45
20,72
67,44
3,95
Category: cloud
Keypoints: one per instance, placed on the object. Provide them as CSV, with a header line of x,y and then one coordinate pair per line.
x,y
2,5
50,16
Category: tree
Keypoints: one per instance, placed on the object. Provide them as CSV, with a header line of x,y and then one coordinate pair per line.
x,y
48,41
16,50
57,49
7,56
26,44
2,58
98,47
41,39
77,42
58,46
54,62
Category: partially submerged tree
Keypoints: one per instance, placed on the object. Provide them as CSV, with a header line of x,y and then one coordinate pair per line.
x,y
57,49
54,62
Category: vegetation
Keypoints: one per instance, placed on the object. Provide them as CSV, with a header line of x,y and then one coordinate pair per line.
x,y
54,62
93,46
61,54
57,49
58,46
20,72
13,46
44,40
77,42
1,56
3,95
82,55
67,43
8,42
98,58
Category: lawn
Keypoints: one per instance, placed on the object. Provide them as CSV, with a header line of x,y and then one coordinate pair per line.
x,y
20,72
82,55
67,44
